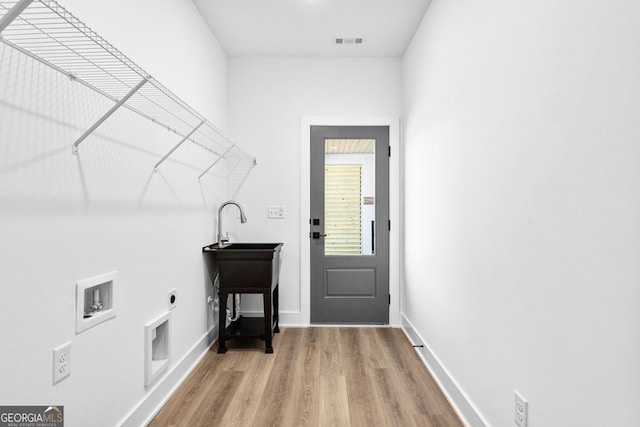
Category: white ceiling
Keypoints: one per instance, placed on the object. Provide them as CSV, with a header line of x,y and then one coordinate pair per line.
x,y
309,27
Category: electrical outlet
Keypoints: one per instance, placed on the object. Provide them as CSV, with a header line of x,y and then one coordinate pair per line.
x,y
173,299
520,410
61,362
276,212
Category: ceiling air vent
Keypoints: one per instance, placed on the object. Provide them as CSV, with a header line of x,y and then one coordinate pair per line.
x,y
348,40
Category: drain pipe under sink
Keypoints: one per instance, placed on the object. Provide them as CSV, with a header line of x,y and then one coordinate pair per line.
x,y
215,304
236,305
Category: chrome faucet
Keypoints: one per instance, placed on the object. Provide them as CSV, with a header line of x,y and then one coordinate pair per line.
x,y
222,241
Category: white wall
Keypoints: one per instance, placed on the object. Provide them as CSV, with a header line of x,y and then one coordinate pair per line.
x,y
64,218
521,174
268,98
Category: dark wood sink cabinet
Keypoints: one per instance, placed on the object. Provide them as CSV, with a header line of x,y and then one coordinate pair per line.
x,y
246,268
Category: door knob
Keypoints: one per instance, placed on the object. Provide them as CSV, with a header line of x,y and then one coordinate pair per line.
x,y
316,235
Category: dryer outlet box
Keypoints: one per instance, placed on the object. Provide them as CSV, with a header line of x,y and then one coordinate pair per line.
x,y
172,299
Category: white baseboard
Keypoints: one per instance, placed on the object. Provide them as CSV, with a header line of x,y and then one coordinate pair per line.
x,y
150,405
296,319
467,412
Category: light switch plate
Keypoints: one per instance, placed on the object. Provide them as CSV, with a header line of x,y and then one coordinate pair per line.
x,y
276,212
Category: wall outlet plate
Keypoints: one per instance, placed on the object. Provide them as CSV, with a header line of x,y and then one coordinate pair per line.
x,y
172,298
520,410
61,362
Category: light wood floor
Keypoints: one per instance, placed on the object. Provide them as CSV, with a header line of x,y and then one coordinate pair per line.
x,y
316,377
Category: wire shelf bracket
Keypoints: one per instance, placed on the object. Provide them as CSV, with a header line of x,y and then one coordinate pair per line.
x,y
214,163
13,13
46,32
155,168
106,115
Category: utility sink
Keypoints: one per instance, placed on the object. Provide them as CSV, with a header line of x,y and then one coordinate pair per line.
x,y
246,268
243,265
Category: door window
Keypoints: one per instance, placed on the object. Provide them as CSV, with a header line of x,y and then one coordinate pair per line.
x,y
349,196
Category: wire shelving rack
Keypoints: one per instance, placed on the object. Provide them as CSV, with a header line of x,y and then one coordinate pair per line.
x,y
47,32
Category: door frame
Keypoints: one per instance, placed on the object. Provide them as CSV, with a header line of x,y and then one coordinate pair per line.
x,y
395,198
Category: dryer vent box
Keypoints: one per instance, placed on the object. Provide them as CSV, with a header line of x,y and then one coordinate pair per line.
x,y
157,346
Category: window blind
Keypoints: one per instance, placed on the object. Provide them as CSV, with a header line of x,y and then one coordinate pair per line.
x,y
343,209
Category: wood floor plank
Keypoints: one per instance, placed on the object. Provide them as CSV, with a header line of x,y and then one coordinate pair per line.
x,y
275,397
334,402
422,420
363,406
214,406
331,350
389,395
243,408
316,376
305,390
370,348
